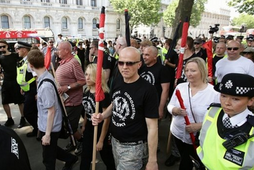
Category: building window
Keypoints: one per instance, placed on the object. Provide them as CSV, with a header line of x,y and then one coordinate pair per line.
x,y
45,0
80,23
79,2
63,1
64,23
46,22
27,22
5,22
93,3
118,24
95,21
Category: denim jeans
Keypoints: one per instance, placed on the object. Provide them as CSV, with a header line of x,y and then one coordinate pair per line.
x,y
129,156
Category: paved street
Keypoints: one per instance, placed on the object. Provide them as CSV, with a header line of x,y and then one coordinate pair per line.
x,y
34,147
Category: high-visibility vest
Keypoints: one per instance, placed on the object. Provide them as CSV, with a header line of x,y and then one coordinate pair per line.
x,y
214,155
21,77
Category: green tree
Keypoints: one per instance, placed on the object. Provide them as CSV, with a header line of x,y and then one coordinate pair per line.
x,y
145,12
178,10
244,19
243,6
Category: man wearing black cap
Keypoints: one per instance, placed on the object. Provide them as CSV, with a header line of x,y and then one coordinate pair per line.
x,y
27,82
10,88
199,51
228,130
250,40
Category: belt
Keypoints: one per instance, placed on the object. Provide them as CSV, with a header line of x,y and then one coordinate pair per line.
x,y
131,143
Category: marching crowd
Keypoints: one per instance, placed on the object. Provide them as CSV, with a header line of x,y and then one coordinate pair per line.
x,y
211,127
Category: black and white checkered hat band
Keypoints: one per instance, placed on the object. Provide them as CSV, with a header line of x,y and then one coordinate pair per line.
x,y
243,90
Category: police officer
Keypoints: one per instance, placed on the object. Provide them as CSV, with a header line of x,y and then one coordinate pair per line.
x,y
27,82
226,137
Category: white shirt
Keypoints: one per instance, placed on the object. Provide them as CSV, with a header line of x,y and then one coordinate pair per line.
x,y
241,65
200,102
29,68
238,119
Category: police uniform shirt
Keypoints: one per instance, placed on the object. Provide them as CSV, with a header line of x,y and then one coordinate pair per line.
x,y
238,119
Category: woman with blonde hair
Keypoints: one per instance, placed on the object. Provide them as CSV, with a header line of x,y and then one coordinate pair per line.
x,y
197,96
88,102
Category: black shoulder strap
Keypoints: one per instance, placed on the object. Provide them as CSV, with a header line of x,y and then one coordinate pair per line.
x,y
58,97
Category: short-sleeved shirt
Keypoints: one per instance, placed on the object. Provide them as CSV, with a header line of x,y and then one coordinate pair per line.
x,y
241,65
67,73
132,104
89,104
9,63
183,78
106,64
155,75
47,98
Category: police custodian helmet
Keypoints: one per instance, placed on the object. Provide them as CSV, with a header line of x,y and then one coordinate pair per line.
x,y
236,84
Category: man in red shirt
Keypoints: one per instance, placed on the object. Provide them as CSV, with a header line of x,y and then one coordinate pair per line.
x,y
70,78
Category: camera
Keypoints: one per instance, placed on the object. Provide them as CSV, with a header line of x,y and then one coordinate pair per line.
x,y
214,29
236,140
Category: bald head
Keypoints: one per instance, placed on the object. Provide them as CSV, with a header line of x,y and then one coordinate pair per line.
x,y
131,53
64,49
220,49
233,50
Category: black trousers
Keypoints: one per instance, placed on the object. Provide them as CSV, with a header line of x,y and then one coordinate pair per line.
x,y
30,107
87,151
185,151
52,152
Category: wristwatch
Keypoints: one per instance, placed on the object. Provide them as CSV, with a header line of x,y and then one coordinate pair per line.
x,y
69,87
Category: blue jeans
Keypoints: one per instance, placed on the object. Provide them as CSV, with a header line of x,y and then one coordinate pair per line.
x,y
129,156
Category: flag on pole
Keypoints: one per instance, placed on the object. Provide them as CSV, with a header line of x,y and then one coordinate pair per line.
x,y
99,95
209,46
183,44
47,58
174,41
127,27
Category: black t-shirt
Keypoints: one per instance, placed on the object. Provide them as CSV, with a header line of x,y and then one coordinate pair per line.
x,y
155,75
13,153
215,60
183,77
132,103
9,63
89,104
202,53
106,61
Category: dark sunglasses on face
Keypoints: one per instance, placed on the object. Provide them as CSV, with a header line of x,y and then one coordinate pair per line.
x,y
233,48
128,63
2,46
196,43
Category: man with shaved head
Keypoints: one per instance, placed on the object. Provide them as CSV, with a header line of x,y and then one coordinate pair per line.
x,y
70,78
234,62
156,74
220,52
134,110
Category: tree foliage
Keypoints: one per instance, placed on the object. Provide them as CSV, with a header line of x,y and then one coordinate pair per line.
x,y
145,12
243,6
196,11
244,19
178,10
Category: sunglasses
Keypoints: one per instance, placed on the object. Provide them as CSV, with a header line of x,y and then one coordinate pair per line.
x,y
128,63
233,48
2,46
196,43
